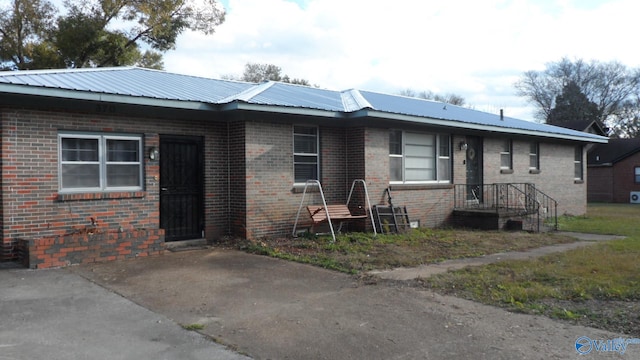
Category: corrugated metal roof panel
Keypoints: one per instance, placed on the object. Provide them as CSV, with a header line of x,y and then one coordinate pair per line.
x,y
136,82
144,84
437,110
290,95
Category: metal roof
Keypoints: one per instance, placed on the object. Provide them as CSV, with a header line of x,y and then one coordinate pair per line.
x,y
152,87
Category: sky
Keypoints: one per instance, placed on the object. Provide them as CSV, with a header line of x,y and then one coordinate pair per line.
x,y
476,49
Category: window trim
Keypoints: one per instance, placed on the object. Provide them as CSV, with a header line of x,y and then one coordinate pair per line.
x,y
580,161
508,153
102,162
437,158
316,154
535,146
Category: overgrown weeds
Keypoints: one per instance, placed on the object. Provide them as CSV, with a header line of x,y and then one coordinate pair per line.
x,y
357,252
597,285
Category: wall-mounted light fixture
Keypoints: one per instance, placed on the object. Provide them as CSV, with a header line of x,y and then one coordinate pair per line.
x,y
463,145
154,153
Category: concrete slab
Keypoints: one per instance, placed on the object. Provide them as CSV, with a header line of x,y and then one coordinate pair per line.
x,y
275,309
54,314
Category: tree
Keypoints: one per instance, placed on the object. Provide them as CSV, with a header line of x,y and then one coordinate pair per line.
x,y
608,85
257,73
573,105
448,98
23,25
95,33
627,122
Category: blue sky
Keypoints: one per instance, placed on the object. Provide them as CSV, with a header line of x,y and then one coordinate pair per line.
x,y
476,49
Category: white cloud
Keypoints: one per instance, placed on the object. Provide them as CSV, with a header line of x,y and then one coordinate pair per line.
x,y
473,48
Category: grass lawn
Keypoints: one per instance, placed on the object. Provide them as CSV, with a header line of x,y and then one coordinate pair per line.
x,y
597,286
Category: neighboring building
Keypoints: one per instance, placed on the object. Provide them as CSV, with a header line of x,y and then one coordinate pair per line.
x,y
127,158
614,171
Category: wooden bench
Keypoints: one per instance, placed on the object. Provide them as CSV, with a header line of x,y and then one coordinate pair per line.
x,y
336,213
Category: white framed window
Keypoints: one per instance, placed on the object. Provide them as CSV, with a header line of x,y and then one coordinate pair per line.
x,y
534,156
577,163
637,174
99,162
306,164
506,151
419,157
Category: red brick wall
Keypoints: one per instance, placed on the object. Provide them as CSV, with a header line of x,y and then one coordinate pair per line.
x,y
237,185
600,184
623,178
31,204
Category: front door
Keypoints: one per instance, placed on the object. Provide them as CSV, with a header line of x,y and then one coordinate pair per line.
x,y
181,187
474,168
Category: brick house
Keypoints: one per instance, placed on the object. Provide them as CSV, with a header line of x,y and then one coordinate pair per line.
x,y
111,163
614,171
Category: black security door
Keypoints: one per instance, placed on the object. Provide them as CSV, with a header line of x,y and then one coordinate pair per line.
x,y
181,187
474,168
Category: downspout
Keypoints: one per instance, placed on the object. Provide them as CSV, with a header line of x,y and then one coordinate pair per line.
x,y
228,179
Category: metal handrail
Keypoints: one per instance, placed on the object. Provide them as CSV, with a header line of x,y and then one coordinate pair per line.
x,y
508,198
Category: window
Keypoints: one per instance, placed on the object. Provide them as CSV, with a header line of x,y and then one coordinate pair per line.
x,y
305,153
419,157
534,156
577,163
94,162
505,155
637,175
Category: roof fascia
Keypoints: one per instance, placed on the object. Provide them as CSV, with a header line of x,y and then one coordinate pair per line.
x,y
102,97
479,127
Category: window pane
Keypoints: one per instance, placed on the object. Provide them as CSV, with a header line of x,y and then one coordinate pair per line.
x,y
444,169
419,150
533,161
395,142
123,175
422,139
304,172
395,165
419,162
637,173
123,150
578,154
306,130
80,176
79,149
578,170
444,145
419,174
304,144
506,146
505,160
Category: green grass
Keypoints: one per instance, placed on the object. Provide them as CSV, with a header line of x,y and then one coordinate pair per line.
x,y
356,252
597,286
193,327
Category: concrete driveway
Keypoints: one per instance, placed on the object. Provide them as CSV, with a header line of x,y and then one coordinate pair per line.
x,y
55,314
274,309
